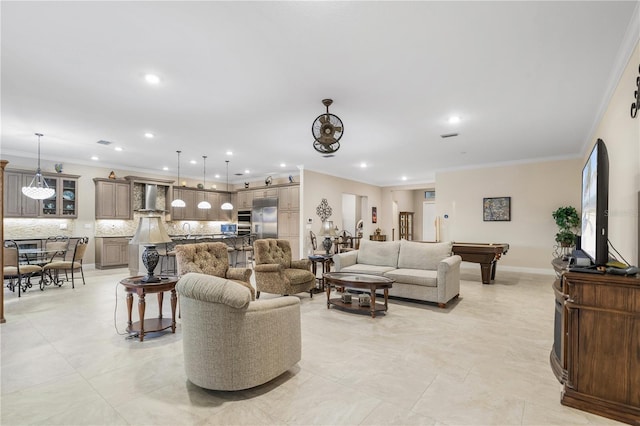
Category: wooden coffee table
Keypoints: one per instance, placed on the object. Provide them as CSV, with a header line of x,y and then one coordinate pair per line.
x,y
362,281
135,285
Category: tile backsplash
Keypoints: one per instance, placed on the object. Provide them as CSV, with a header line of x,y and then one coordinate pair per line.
x,y
19,228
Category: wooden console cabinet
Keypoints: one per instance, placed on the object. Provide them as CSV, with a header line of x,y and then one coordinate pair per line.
x,y
596,353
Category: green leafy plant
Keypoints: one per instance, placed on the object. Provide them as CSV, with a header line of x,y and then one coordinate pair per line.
x,y
568,220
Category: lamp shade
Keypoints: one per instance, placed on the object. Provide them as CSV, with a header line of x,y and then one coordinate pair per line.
x,y
227,206
150,231
327,229
178,203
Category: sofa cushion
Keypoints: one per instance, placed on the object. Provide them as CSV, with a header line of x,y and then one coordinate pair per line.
x,y
414,255
361,268
379,253
423,277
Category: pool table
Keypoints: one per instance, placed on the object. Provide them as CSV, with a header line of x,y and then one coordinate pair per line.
x,y
486,254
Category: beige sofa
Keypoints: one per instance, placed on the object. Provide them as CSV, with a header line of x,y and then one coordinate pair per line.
x,y
422,271
230,342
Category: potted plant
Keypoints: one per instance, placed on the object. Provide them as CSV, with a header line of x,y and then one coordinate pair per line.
x,y
568,220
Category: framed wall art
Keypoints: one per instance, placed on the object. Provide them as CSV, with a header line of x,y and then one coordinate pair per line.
x,y
497,209
374,215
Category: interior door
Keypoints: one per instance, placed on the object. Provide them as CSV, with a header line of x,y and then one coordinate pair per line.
x,y
429,221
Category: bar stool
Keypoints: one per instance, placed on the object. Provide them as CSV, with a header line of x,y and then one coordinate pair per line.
x,y
168,264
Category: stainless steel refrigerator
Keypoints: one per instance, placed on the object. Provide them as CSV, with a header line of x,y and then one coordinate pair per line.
x,y
264,218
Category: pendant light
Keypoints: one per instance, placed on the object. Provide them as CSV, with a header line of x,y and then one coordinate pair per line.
x,y
227,205
177,202
38,189
204,204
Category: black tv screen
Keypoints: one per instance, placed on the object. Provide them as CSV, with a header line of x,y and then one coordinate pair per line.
x,y
595,203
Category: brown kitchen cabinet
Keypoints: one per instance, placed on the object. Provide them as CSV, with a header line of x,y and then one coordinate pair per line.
x,y
63,204
112,252
113,199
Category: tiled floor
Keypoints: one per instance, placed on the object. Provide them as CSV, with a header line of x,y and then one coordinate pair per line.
x,y
483,360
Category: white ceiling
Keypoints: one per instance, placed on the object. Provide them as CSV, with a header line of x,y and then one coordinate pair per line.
x,y
528,80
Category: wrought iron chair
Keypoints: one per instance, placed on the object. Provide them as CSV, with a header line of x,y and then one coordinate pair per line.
x,y
72,265
18,275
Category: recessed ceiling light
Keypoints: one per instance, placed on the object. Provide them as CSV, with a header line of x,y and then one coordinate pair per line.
x,y
165,168
283,165
193,162
149,135
404,178
152,79
247,171
118,148
94,158
454,119
217,176
363,165
229,152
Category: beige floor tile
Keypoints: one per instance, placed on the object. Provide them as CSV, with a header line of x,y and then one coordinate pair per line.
x,y
482,360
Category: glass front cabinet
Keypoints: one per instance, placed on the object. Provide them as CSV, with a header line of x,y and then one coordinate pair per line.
x,y
64,203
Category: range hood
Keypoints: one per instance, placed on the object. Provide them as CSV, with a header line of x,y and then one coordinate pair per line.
x,y
150,198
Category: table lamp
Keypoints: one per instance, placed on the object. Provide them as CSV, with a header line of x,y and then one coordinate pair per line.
x,y
149,233
327,231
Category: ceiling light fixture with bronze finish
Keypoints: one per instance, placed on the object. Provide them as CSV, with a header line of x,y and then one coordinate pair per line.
x,y
327,130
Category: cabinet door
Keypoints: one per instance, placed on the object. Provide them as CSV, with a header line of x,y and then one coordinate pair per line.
x,y
16,204
214,199
49,206
123,201
68,196
266,193
245,200
188,212
288,224
289,198
105,200
177,213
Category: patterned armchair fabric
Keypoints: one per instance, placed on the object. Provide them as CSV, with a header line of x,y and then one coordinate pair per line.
x,y
230,342
277,273
211,259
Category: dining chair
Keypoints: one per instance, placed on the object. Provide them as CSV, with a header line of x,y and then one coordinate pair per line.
x,y
17,273
72,265
56,248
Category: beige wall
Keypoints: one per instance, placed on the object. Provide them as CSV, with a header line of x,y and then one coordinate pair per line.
x,y
621,134
316,186
536,190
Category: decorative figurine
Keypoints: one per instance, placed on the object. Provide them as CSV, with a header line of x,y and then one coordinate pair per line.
x,y
112,175
58,167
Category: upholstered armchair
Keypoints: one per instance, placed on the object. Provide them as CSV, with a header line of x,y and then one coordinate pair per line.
x,y
231,342
277,273
211,259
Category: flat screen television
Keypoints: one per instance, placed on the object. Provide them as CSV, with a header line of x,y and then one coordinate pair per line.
x,y
595,203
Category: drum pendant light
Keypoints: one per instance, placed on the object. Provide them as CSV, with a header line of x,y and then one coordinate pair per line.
x,y
227,205
177,202
204,204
